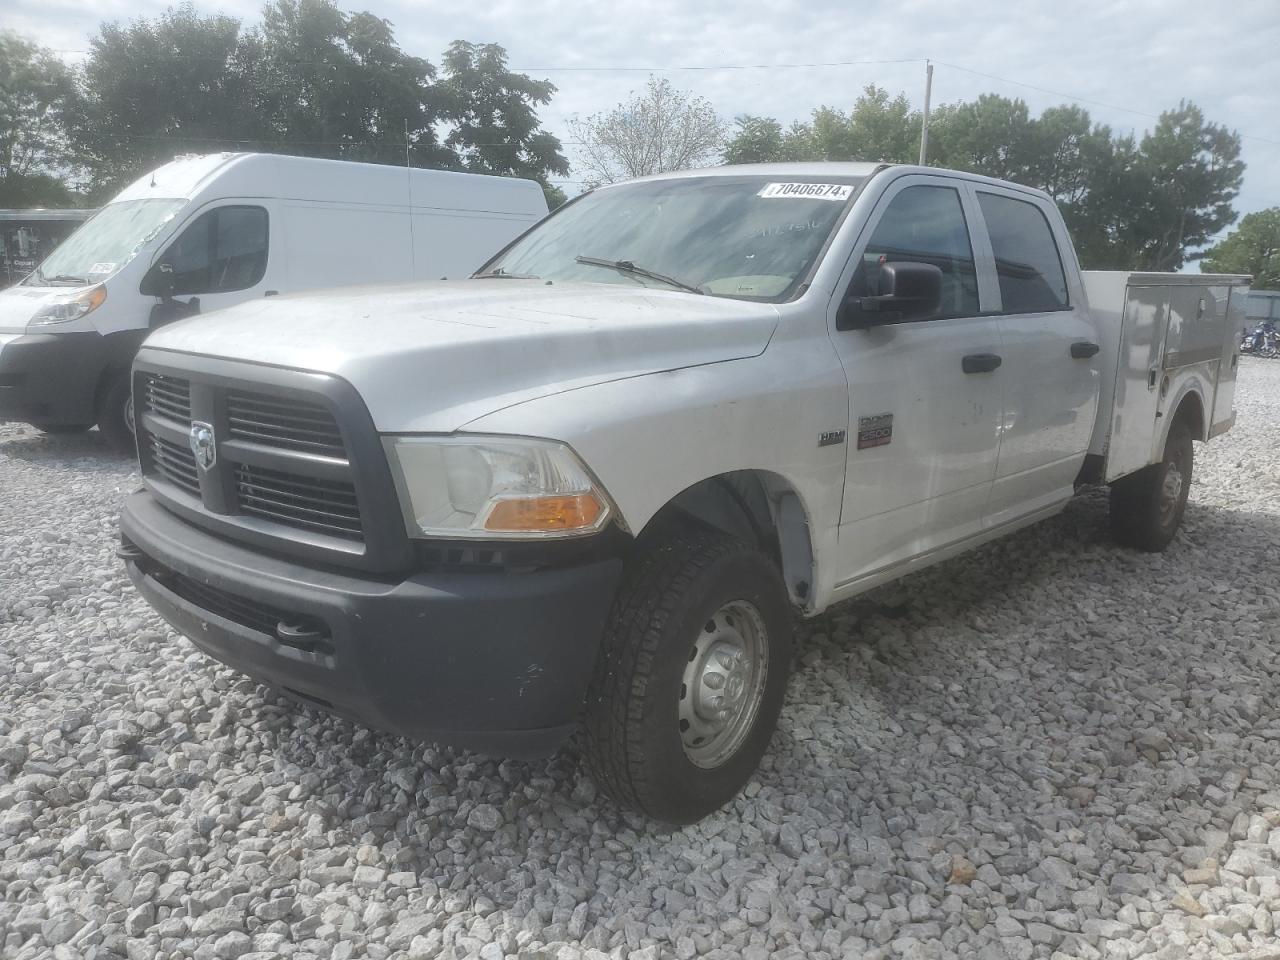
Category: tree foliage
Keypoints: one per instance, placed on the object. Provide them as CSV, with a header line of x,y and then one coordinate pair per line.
x,y
1252,248
35,90
308,80
1130,204
657,130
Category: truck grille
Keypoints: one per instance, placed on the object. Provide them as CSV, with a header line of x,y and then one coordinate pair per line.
x,y
329,506
281,457
169,397
176,464
292,424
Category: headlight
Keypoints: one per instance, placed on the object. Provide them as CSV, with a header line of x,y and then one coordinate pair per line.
x,y
70,308
477,487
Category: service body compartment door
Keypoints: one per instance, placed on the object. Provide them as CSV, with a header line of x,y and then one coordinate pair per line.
x,y
1139,368
1224,397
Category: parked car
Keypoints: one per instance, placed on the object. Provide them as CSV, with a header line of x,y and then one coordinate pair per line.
x,y
206,232
590,486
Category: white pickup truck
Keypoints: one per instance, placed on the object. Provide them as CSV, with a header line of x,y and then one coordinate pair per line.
x,y
588,487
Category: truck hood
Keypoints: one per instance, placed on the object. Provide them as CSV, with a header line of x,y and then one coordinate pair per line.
x,y
433,357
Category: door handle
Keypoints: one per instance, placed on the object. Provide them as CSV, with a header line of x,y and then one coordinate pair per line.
x,y
271,293
1083,350
980,362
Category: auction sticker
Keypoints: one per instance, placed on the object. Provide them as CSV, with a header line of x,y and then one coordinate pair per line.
x,y
839,192
102,268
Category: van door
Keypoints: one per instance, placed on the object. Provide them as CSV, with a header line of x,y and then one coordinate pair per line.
x,y
220,258
1051,369
924,396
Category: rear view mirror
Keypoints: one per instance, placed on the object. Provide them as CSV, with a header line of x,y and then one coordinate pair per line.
x,y
158,281
907,291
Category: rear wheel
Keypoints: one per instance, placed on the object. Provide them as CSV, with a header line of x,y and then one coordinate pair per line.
x,y
688,686
115,415
1147,506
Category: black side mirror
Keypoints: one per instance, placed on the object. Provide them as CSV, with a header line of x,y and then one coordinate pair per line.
x,y
907,291
158,281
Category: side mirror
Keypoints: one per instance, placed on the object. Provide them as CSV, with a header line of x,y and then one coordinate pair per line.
x,y
907,291
158,281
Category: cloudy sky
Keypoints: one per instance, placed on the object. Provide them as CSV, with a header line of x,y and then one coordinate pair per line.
x,y
1126,60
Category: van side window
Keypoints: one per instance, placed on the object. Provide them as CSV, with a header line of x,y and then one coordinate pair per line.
x,y
221,251
1027,260
924,224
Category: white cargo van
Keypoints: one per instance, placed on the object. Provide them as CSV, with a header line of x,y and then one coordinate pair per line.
x,y
205,232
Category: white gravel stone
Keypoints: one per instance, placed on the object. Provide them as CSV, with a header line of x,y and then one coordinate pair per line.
x,y
1050,747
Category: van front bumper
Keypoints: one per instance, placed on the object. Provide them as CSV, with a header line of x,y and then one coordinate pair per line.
x,y
492,661
50,378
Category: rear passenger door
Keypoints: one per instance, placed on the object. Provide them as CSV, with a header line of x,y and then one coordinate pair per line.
x,y
1050,348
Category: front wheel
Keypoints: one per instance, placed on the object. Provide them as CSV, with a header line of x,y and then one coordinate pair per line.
x,y
691,677
115,415
1147,506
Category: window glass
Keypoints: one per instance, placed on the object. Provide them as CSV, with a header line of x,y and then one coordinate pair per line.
x,y
1027,261
221,251
924,224
745,237
106,242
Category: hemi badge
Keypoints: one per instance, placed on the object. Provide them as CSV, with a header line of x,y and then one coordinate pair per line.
x,y
831,437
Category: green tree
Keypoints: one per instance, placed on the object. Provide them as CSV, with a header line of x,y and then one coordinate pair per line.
x,y
493,114
1252,248
151,89
1194,172
878,127
309,80
35,90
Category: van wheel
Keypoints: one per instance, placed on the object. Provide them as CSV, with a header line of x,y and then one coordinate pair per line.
x,y
691,677
115,415
1147,506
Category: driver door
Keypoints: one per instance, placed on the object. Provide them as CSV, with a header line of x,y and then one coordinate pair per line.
x,y
924,417
220,257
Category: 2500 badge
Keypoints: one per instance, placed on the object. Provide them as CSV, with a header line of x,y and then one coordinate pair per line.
x,y
875,431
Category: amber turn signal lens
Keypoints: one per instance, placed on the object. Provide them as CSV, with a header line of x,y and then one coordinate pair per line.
x,y
575,512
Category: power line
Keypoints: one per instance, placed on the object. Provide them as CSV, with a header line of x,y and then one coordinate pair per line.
x,y
715,66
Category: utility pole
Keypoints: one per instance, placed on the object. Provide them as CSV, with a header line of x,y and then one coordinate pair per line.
x,y
924,124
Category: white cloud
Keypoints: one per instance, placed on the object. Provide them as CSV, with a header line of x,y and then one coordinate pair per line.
x,y
1143,55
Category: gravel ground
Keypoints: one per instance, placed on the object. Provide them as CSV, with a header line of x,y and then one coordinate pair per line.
x,y
1051,747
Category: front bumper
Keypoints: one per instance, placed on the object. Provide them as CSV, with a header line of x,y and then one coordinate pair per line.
x,y
51,378
492,661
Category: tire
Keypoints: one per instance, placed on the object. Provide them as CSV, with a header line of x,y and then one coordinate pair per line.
x,y
1147,506
115,416
690,599
60,429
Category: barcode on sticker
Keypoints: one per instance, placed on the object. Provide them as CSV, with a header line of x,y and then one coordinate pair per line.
x,y
806,191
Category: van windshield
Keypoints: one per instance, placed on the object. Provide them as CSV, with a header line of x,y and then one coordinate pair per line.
x,y
743,237
105,243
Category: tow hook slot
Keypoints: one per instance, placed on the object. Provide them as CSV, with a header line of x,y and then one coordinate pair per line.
x,y
304,636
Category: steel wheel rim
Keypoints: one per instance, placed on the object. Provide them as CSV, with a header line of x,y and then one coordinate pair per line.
x,y
723,684
1170,491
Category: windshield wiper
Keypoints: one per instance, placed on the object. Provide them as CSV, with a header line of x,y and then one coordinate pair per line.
x,y
67,278
626,266
498,273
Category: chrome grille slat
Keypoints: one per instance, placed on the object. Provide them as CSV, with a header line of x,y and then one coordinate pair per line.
x,y
299,425
303,501
168,397
175,464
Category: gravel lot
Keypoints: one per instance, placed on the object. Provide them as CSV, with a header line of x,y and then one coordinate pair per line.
x,y
1051,747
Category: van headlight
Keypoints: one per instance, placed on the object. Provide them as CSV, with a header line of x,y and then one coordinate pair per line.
x,y
479,487
70,308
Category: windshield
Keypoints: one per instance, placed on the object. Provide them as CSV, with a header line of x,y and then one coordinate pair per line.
x,y
105,243
745,237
